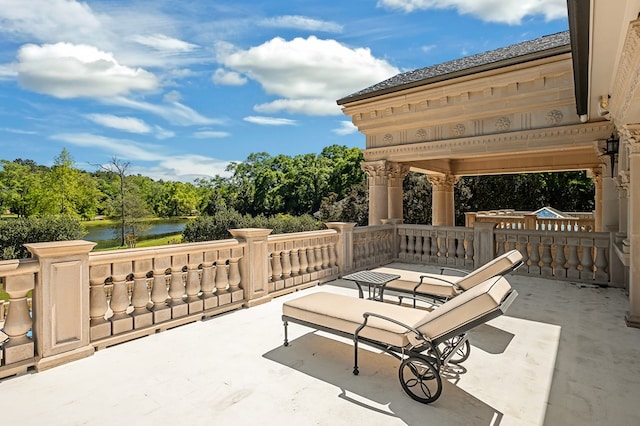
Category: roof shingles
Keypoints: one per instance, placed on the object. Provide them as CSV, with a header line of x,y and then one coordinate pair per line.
x,y
468,63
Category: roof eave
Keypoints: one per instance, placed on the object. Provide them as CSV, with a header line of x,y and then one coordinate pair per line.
x,y
461,73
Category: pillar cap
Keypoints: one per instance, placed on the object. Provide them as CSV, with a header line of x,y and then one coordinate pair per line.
x,y
60,248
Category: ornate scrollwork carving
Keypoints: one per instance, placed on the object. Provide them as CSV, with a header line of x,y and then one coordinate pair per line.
x,y
421,134
443,181
388,138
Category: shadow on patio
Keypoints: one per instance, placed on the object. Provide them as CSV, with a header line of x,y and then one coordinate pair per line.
x,y
561,355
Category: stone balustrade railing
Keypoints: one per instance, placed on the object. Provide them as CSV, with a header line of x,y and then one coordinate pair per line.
x,y
373,246
583,222
138,292
573,256
301,259
84,301
18,352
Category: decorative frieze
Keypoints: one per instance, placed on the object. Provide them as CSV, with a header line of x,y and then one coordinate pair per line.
x,y
625,88
554,117
503,124
458,130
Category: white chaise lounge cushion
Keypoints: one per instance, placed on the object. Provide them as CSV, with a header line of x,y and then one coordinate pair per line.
x,y
436,285
345,313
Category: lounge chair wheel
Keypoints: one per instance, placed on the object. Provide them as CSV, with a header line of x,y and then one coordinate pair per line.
x,y
420,380
461,354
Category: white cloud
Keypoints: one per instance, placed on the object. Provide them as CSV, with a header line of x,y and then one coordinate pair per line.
x,y
8,71
127,124
428,48
174,112
228,78
210,134
502,11
18,131
300,106
164,43
302,23
307,74
174,167
346,128
161,133
124,148
67,70
47,20
270,121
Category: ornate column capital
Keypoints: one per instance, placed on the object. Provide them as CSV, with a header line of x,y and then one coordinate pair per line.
x,y
441,182
384,168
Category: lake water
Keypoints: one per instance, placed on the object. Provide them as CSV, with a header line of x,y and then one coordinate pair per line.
x,y
157,229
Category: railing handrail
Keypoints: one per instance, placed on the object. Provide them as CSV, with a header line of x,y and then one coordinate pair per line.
x,y
302,235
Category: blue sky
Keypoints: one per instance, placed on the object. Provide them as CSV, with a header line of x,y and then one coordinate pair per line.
x,y
181,88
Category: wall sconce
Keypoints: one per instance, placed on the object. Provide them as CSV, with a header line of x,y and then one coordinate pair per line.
x,y
611,149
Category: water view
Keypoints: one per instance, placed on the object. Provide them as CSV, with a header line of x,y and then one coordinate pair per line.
x,y
109,235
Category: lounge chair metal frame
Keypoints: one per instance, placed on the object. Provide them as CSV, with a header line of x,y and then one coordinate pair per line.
x,y
422,361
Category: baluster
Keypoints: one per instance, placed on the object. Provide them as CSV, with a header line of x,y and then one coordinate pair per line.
x,y
573,261
317,252
534,256
602,264
403,244
560,270
470,253
20,347
209,299
159,293
410,245
460,258
285,258
333,258
120,321
451,248
140,294
276,266
325,256
426,247
500,241
311,258
222,282
234,280
434,246
192,288
295,262
176,288
98,305
442,249
547,259
587,259
304,262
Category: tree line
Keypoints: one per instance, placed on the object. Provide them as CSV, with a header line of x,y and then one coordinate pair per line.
x,y
330,186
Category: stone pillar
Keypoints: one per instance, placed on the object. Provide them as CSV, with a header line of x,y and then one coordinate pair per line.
x,y
397,173
484,243
633,316
377,177
622,182
596,176
345,245
253,266
443,202
61,302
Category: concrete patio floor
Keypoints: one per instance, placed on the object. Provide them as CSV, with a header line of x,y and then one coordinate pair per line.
x,y
561,356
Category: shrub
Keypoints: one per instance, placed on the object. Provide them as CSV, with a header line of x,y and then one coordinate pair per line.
x,y
16,232
216,227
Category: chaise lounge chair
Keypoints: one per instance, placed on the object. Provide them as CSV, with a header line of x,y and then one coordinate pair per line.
x,y
440,288
424,341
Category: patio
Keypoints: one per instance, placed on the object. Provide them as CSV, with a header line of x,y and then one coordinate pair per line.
x,y
561,355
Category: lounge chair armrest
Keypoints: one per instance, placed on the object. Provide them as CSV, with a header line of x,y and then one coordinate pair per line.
x,y
446,268
434,277
366,316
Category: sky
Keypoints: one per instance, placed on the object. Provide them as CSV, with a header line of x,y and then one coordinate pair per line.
x,y
179,89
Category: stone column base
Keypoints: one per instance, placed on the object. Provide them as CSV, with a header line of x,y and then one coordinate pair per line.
x,y
632,320
63,358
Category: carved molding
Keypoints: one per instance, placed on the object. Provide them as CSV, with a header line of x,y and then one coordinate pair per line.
x,y
497,142
384,169
627,76
503,124
458,129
